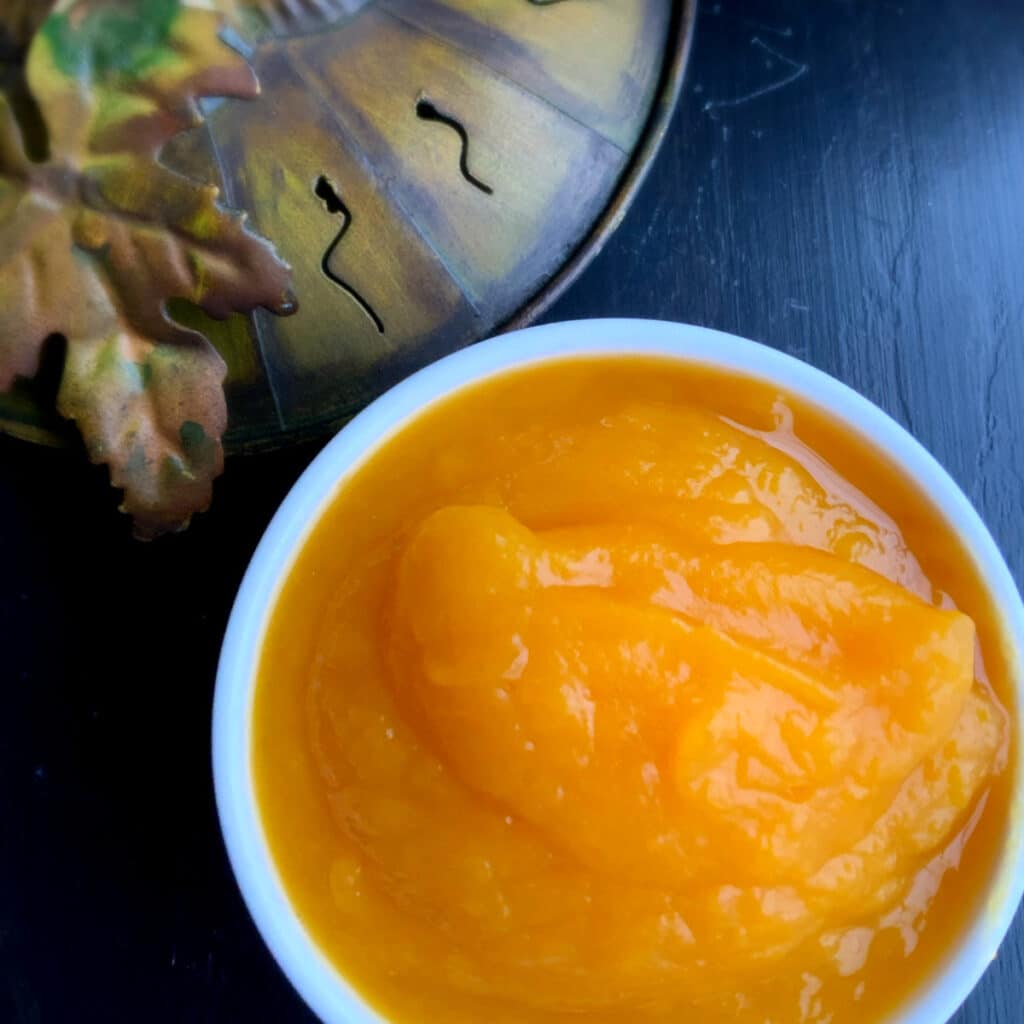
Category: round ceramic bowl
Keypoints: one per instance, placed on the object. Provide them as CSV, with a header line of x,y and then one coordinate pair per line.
x,y
319,983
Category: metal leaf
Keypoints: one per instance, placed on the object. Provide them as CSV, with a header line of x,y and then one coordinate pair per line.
x,y
98,238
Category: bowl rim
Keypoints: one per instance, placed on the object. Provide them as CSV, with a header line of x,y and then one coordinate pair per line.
x,y
319,983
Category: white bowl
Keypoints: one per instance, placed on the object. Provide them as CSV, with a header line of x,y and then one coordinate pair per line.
x,y
319,983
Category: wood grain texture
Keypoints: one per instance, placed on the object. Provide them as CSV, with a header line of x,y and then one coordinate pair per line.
x,y
528,46
548,175
387,263
842,181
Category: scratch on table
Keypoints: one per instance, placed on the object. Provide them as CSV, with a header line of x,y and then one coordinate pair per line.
x,y
797,71
785,33
656,220
996,371
828,151
988,444
760,26
899,381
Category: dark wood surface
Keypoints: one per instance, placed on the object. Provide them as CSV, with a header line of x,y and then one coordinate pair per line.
x,y
843,181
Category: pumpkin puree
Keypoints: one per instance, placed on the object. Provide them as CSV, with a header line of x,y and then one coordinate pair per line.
x,y
606,691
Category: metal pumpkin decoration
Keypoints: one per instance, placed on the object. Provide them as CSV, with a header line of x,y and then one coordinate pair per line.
x,y
243,220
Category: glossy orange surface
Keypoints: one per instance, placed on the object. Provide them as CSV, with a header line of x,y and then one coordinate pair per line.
x,y
619,690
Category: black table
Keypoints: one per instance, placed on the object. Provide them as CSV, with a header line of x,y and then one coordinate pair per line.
x,y
844,180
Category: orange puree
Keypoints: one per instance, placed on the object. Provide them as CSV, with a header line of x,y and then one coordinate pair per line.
x,y
607,691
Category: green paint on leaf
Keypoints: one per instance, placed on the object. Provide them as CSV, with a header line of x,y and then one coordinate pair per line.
x,y
109,361
198,446
113,39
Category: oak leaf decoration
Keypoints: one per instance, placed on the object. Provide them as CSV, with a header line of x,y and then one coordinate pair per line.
x,y
97,238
